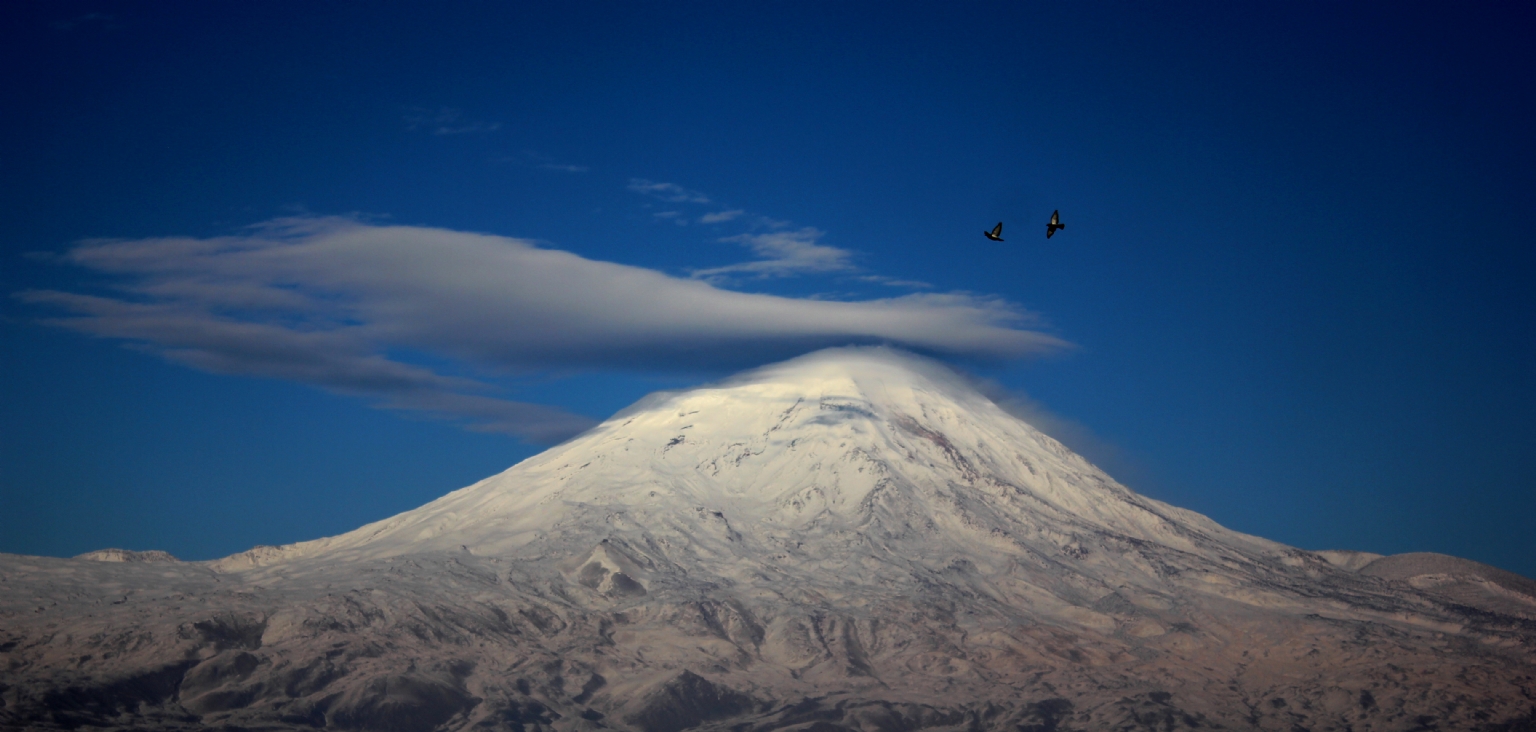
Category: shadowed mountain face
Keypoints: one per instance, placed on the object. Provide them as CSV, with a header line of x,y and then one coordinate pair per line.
x,y
851,540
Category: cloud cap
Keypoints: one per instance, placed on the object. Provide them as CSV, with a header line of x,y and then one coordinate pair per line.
x,y
359,308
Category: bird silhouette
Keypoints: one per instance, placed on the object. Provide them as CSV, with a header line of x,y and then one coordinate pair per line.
x,y
1050,229
996,234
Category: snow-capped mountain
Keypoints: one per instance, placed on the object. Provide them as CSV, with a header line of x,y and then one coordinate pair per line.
x,y
855,539
799,469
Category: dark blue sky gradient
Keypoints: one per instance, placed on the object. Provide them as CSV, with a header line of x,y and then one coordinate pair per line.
x,y
1297,270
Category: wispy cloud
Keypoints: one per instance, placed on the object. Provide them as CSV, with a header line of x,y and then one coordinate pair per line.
x,y
783,253
334,302
447,121
669,192
534,159
894,282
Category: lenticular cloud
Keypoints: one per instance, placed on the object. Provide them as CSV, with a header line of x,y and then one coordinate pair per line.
x,y
357,309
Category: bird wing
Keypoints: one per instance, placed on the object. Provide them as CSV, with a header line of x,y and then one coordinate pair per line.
x,y
1055,217
998,230
1049,232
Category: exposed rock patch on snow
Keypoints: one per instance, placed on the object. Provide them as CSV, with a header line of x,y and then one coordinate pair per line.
x,y
851,540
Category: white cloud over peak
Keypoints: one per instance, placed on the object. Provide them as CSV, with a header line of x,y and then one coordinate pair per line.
x,y
334,303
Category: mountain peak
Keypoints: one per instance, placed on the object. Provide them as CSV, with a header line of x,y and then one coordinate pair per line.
x,y
877,375
859,364
868,446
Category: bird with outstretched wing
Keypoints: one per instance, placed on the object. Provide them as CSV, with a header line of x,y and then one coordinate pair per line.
x,y
1050,229
996,234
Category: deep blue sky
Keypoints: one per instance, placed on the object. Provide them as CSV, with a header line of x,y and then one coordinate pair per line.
x,y
1297,275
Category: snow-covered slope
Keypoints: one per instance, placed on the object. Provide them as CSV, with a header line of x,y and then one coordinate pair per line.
x,y
871,441
852,439
855,539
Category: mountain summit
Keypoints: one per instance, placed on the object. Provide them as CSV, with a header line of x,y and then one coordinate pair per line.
x,y
855,442
855,539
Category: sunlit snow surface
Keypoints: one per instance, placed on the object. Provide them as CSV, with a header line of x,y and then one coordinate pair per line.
x,y
875,445
856,527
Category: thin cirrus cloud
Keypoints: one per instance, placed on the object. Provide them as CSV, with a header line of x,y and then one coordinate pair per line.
x,y
333,302
780,253
544,162
720,216
669,192
783,253
447,121
895,282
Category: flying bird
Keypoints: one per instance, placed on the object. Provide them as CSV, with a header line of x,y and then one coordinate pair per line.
x,y
1050,229
996,234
